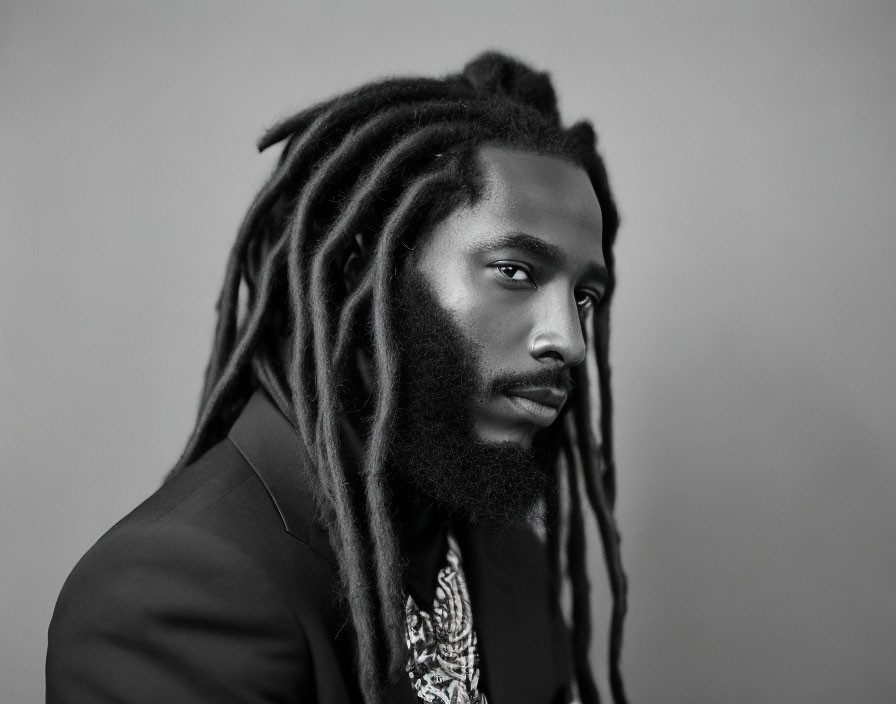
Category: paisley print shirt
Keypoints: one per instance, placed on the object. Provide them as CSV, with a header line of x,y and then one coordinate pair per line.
x,y
443,661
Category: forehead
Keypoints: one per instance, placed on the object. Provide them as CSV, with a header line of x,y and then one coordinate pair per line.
x,y
546,199
542,196
537,188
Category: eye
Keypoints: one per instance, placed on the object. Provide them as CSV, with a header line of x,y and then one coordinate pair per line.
x,y
586,299
515,272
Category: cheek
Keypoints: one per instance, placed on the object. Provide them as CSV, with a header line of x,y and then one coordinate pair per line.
x,y
497,330
496,321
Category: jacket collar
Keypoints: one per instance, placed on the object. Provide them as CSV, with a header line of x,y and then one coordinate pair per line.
x,y
273,448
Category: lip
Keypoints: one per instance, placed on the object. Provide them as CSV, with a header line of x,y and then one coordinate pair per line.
x,y
541,405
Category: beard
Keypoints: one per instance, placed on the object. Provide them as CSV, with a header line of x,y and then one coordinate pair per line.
x,y
435,450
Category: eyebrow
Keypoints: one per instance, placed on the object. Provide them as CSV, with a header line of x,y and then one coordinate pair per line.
x,y
537,247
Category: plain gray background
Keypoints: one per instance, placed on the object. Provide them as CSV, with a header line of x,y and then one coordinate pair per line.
x,y
753,152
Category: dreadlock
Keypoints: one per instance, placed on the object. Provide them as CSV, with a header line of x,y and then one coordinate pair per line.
x,y
310,281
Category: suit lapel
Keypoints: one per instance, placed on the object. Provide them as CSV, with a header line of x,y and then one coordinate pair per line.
x,y
521,657
272,446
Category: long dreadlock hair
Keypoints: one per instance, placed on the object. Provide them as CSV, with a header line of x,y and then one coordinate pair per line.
x,y
359,175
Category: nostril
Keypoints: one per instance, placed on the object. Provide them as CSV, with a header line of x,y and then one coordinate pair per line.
x,y
553,354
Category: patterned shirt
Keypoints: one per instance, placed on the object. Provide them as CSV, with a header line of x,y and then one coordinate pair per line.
x,y
443,661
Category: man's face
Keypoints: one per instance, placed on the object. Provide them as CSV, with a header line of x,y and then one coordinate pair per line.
x,y
488,324
515,272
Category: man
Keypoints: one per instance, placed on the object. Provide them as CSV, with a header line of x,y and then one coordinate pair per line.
x,y
411,343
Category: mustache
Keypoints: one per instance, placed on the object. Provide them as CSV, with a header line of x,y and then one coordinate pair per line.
x,y
557,378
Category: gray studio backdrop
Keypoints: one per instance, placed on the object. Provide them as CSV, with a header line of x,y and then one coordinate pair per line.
x,y
752,149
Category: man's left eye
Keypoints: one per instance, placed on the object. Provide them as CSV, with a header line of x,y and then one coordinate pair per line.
x,y
586,299
514,272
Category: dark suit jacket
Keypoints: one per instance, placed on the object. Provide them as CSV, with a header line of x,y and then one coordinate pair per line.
x,y
221,587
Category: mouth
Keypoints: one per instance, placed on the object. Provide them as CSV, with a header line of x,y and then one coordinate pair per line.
x,y
540,405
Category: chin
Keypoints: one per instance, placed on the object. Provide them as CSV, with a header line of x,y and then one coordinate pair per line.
x,y
518,437
523,441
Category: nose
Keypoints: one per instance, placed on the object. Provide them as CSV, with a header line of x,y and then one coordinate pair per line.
x,y
558,335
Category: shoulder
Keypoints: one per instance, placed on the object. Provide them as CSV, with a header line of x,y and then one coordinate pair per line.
x,y
223,495
179,610
199,594
162,565
214,523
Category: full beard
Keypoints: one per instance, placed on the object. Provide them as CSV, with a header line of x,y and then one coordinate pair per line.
x,y
435,450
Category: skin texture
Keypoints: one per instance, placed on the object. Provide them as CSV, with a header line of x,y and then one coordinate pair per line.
x,y
516,271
